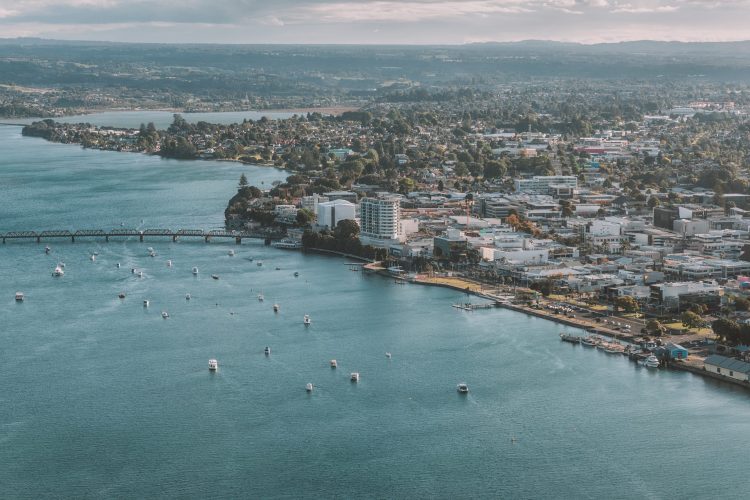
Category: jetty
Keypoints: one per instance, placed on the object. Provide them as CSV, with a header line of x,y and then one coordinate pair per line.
x,y
471,307
141,234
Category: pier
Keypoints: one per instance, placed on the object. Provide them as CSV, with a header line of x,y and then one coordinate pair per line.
x,y
141,234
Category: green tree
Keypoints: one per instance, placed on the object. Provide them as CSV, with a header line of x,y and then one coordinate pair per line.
x,y
243,181
691,320
654,327
627,304
345,229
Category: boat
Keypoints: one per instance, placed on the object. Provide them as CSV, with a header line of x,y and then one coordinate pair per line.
x,y
118,265
215,276
278,269
296,274
267,351
146,303
47,250
309,387
275,308
259,263
287,243
261,298
306,320
19,296
121,295
164,314
462,388
132,270
213,365
589,342
58,271
334,364
62,264
355,377
169,263
93,258
567,337
152,254
187,296
651,362
140,274
195,271
388,355
612,349
231,253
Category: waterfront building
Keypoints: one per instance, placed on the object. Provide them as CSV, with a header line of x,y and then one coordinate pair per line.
x,y
330,213
341,195
380,221
727,367
311,202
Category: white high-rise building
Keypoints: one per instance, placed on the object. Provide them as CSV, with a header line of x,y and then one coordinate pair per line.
x,y
379,220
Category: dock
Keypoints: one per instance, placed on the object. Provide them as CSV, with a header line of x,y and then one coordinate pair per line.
x,y
472,307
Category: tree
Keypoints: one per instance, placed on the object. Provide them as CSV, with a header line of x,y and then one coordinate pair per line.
x,y
741,304
243,181
653,202
304,216
440,185
627,304
691,320
654,327
345,229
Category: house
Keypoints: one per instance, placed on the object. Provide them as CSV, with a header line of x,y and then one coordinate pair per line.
x,y
727,367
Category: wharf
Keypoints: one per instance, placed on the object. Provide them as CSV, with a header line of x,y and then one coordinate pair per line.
x,y
472,307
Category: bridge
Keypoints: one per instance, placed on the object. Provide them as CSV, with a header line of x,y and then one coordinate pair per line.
x,y
141,234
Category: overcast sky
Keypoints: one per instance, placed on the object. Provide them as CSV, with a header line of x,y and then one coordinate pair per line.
x,y
376,21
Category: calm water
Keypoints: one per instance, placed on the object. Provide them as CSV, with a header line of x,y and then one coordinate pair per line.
x,y
101,397
161,119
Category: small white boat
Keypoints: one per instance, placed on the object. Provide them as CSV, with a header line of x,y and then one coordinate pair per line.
x,y
267,351
355,377
169,263
215,276
388,355
19,296
140,274
213,365
261,298
259,263
164,314
195,271
118,265
132,270
187,296
309,387
275,308
93,258
334,364
152,254
47,249
306,320
146,303
58,271
231,253
651,362
462,388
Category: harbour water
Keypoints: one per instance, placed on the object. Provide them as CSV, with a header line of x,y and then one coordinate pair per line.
x,y
102,397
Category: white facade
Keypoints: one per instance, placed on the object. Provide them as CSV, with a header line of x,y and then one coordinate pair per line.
x,y
546,184
330,213
311,202
380,220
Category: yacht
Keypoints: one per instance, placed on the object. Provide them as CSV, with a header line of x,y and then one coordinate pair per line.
x,y
588,342
93,258
231,253
259,263
187,296
306,320
267,351
19,296
261,298
58,271
309,387
355,376
169,263
152,254
334,364
651,362
132,270
47,249
195,271
146,303
296,274
462,388
275,308
164,314
215,276
388,355
278,269
213,365
118,265
140,274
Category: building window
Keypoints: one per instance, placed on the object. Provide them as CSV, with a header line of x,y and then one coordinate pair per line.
x,y
718,370
731,373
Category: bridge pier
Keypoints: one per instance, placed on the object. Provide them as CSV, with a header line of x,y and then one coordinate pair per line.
x,y
72,239
106,238
174,238
267,241
140,236
238,240
208,239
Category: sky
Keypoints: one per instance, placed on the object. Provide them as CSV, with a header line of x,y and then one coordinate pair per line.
x,y
375,21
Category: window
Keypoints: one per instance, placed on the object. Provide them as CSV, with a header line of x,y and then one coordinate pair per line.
x,y
731,373
718,370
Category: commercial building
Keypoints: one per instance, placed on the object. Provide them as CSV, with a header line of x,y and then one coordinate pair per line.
x,y
379,220
555,185
330,213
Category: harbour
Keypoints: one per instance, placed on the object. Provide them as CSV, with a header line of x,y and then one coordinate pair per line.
x,y
99,390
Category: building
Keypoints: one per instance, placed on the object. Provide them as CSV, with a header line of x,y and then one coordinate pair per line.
x,y
311,202
379,221
727,367
341,195
555,185
330,213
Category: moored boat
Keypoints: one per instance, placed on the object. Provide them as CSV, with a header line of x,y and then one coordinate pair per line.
x,y
19,297
309,387
146,303
589,342
334,364
164,314
651,362
58,271
462,388
275,308
195,271
355,377
306,320
267,351
567,337
213,365
215,276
